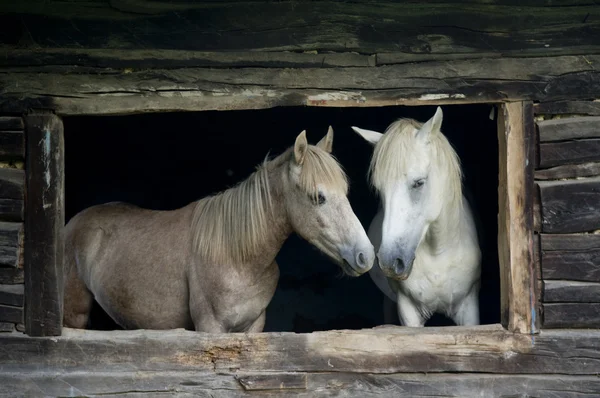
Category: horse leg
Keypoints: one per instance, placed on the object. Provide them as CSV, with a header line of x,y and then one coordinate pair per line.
x,y
467,313
77,298
408,313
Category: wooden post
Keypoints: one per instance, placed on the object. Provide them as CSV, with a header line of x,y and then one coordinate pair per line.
x,y
519,290
44,222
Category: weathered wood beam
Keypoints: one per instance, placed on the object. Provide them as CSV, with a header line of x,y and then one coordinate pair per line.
x,y
192,89
11,295
567,291
515,234
482,349
11,276
44,222
571,315
12,144
569,152
570,206
569,128
206,384
9,313
11,123
591,108
568,171
12,186
11,244
571,256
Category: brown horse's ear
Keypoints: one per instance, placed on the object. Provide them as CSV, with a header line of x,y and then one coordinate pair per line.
x,y
300,147
326,142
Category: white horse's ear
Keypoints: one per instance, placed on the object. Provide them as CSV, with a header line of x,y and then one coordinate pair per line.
x,y
432,126
326,142
369,135
300,147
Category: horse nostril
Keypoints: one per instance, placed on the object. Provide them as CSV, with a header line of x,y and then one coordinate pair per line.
x,y
361,259
399,265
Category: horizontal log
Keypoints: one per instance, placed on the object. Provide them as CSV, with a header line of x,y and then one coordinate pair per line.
x,y
571,257
12,144
12,295
570,206
571,315
569,128
204,384
365,27
6,327
487,349
11,123
192,89
568,152
590,108
11,276
571,292
282,381
12,314
12,183
568,171
11,244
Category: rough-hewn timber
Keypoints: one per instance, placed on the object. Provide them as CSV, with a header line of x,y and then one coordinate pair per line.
x,y
571,292
11,244
569,128
12,314
11,276
572,315
570,206
568,171
44,223
591,108
11,295
571,257
11,123
569,152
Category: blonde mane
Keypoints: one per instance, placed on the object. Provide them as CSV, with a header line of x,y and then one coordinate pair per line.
x,y
231,226
390,158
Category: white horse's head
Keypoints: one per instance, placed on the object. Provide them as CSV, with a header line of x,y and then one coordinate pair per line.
x,y
318,208
415,171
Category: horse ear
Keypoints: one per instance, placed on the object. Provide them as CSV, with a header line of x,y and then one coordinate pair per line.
x,y
370,136
432,126
326,142
300,147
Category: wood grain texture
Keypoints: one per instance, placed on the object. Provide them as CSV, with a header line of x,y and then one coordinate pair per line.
x,y
520,308
12,314
569,128
569,152
483,349
11,123
590,108
571,315
571,292
12,144
101,91
44,224
571,257
568,171
281,381
11,276
6,327
11,295
11,244
570,206
12,186
203,384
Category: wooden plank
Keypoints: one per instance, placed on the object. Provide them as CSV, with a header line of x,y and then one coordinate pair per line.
x,y
569,152
572,257
11,244
482,349
537,209
516,199
112,92
11,123
12,185
44,224
365,27
205,384
9,313
12,144
11,276
571,292
11,295
6,327
590,108
572,315
568,171
570,206
569,128
280,381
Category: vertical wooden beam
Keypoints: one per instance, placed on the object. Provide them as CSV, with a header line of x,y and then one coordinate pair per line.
x,y
44,222
520,296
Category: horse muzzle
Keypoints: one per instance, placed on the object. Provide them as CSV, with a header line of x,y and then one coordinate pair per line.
x,y
397,267
359,260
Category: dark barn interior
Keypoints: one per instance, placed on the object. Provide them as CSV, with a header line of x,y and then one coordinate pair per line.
x,y
166,160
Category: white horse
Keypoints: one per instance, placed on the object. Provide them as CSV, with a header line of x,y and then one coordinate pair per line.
x,y
424,232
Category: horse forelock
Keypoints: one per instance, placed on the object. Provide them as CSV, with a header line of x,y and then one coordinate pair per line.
x,y
392,155
320,168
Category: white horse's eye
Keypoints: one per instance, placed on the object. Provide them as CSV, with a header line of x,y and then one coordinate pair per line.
x,y
321,198
418,183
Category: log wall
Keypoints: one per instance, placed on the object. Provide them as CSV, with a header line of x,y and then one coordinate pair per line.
x,y
567,181
12,186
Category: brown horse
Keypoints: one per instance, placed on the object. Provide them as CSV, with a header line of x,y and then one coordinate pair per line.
x,y
210,266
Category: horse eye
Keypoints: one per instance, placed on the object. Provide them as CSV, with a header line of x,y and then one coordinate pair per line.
x,y
321,198
418,183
